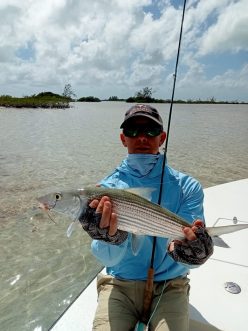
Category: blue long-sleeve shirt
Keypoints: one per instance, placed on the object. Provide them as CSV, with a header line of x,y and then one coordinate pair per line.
x,y
182,195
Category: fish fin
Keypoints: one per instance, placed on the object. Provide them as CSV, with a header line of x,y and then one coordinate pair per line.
x,y
220,242
220,230
145,192
71,228
136,243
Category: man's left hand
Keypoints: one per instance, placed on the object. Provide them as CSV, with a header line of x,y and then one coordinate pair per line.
x,y
196,248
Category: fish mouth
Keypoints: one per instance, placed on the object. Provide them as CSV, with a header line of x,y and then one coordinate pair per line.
x,y
46,206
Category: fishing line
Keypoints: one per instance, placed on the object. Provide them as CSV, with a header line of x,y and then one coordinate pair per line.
x,y
149,285
159,299
51,218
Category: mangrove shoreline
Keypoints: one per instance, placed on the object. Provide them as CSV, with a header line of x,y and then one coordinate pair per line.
x,y
52,100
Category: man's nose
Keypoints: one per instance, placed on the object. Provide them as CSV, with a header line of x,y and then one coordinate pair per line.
x,y
142,137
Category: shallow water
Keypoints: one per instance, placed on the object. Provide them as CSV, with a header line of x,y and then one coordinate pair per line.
x,y
42,271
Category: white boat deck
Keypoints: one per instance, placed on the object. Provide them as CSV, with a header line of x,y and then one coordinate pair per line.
x,y
212,307
210,303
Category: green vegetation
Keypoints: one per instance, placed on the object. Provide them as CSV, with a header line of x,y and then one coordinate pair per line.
x,y
89,99
115,98
68,92
41,100
208,101
53,100
144,96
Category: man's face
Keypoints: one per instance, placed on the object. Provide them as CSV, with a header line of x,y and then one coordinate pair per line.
x,y
142,143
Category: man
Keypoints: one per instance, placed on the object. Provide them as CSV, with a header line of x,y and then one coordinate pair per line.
x,y
121,291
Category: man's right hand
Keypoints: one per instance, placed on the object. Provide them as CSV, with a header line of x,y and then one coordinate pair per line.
x,y
108,218
100,222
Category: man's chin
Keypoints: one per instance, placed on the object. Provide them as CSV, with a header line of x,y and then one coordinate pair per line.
x,y
143,151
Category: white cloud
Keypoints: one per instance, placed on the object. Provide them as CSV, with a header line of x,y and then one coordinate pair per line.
x,y
232,79
231,85
108,44
230,32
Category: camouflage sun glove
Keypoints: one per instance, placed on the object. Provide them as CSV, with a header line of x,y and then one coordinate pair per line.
x,y
194,252
90,220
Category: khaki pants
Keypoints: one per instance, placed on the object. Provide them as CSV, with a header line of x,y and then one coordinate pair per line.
x,y
120,304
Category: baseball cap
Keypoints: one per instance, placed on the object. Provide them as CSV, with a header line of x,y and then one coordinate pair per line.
x,y
144,111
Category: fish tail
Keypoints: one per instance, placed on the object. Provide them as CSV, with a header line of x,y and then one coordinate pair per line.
x,y
220,230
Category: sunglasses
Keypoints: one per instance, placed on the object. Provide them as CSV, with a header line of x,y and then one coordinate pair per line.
x,y
135,131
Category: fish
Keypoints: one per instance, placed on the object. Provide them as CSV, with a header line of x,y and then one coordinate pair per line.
x,y
135,213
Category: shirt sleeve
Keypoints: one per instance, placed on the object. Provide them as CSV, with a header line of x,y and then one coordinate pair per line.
x,y
109,255
192,197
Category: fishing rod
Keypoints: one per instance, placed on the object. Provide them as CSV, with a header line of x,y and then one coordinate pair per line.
x,y
150,275
171,104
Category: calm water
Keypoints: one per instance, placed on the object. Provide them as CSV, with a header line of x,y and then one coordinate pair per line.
x,y
42,271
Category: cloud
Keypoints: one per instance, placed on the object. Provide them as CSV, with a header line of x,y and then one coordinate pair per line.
x,y
229,33
103,45
230,85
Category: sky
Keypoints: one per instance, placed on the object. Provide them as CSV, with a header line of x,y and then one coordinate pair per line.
x,y
109,48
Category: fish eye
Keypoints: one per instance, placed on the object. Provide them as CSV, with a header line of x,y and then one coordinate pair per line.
x,y
58,196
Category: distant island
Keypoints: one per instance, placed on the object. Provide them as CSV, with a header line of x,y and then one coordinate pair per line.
x,y
89,99
145,96
53,100
41,100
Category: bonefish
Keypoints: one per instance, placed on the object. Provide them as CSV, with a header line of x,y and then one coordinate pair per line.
x,y
135,214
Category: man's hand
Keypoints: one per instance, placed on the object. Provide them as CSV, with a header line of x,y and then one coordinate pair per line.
x,y
108,218
100,222
196,248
